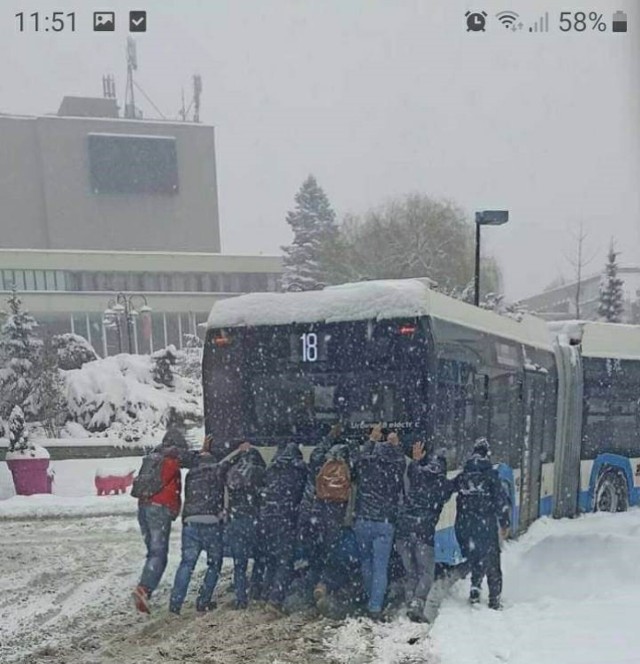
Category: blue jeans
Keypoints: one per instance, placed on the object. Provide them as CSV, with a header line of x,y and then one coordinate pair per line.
x,y
155,525
198,537
241,537
375,541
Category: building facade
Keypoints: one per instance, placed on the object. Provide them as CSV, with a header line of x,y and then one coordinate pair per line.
x,y
102,182
70,291
573,300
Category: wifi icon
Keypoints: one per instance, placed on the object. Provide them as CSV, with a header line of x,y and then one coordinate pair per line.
x,y
508,19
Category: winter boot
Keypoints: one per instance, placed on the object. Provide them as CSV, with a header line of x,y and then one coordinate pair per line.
x,y
474,596
206,608
416,611
141,599
495,603
321,597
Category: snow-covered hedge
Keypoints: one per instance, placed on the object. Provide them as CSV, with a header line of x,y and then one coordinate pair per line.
x,y
118,397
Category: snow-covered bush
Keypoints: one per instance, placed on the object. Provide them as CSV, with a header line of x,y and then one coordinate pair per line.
x,y
163,363
19,350
73,351
16,432
119,396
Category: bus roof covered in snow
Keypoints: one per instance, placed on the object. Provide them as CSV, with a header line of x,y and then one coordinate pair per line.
x,y
372,300
597,339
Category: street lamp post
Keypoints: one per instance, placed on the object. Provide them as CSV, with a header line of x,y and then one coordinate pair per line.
x,y
123,307
485,218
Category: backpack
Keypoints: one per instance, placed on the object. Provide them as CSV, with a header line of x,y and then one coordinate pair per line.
x,y
148,481
333,482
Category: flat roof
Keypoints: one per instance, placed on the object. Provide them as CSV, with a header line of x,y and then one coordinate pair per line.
x,y
393,298
83,118
137,261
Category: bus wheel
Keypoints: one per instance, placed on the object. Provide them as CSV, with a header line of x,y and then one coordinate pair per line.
x,y
611,493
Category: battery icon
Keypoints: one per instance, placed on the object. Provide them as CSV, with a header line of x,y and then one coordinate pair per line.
x,y
619,22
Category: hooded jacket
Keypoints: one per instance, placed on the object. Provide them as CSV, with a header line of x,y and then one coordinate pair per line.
x,y
482,502
284,482
245,501
380,476
429,490
204,488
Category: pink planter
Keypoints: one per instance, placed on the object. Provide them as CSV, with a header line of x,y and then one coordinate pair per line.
x,y
30,476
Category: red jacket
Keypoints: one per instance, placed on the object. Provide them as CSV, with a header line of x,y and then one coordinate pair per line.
x,y
170,495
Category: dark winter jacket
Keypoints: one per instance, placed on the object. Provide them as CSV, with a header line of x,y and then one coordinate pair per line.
x,y
204,487
380,473
244,501
482,502
427,494
284,482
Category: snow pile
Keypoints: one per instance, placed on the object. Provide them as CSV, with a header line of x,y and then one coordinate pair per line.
x,y
571,595
399,642
118,397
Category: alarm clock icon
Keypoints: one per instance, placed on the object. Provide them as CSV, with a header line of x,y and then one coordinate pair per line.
x,y
476,21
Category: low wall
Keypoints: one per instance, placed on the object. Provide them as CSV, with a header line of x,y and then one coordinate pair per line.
x,y
83,448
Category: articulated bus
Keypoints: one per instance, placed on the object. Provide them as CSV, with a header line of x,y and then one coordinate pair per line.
x,y
559,407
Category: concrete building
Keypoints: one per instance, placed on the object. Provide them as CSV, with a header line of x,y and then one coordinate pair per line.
x,y
86,179
69,291
560,303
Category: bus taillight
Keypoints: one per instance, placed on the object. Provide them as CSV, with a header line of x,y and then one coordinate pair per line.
x,y
407,330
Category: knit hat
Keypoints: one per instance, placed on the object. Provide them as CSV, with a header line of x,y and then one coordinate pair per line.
x,y
481,447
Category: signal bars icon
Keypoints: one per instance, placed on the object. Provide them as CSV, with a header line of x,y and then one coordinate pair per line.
x,y
541,25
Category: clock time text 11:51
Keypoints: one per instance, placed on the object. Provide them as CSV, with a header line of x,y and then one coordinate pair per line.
x,y
39,22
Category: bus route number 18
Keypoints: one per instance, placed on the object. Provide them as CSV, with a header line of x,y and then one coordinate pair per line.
x,y
309,347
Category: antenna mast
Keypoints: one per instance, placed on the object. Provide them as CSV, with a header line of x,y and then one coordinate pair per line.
x,y
197,91
109,87
132,65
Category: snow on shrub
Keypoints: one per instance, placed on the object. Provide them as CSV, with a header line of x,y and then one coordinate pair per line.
x,y
73,351
119,396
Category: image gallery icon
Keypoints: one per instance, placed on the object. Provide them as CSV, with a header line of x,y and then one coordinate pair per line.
x,y
137,21
476,21
104,21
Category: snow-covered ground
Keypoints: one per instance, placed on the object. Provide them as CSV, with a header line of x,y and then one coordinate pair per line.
x,y
572,594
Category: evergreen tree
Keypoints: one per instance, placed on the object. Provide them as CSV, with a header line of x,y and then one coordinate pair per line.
x,y
611,303
190,360
47,401
163,363
18,438
313,222
19,348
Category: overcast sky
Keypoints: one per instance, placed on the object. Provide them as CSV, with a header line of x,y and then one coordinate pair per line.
x,y
378,98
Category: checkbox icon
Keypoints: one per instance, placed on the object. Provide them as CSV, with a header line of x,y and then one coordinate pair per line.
x,y
137,21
